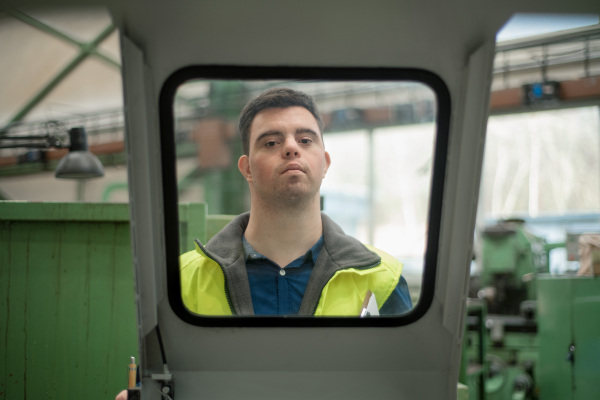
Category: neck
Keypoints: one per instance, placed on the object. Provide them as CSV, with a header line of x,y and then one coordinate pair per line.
x,y
283,234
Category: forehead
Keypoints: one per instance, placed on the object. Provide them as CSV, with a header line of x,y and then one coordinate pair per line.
x,y
284,120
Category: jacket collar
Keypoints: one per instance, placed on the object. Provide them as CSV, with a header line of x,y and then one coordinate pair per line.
x,y
339,251
345,251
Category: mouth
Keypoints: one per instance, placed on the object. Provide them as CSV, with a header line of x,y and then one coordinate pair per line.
x,y
292,169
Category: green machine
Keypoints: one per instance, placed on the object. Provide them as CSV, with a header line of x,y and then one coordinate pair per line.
x,y
510,259
67,312
529,334
569,337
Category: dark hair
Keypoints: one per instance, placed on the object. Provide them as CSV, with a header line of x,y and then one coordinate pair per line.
x,y
274,98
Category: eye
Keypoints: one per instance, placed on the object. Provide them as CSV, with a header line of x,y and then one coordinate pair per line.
x,y
305,141
270,143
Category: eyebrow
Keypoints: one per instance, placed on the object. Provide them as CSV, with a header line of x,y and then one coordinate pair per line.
x,y
307,130
280,133
268,133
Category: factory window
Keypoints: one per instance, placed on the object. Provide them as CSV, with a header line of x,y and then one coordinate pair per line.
x,y
61,91
542,167
386,140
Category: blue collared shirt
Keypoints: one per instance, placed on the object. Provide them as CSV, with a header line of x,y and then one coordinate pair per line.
x,y
279,291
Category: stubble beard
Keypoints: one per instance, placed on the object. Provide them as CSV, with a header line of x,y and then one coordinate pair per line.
x,y
292,199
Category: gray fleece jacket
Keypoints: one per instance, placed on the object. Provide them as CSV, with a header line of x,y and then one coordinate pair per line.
x,y
339,251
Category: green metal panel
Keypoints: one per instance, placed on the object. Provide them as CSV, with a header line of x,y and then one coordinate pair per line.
x,y
67,304
586,335
569,314
214,223
515,252
192,225
499,254
62,212
554,318
68,317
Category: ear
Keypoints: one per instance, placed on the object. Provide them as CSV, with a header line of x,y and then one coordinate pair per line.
x,y
244,167
327,163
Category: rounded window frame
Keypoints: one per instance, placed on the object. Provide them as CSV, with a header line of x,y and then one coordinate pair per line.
x,y
170,197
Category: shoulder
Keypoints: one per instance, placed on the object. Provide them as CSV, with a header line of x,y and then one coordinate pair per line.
x,y
389,263
190,258
386,258
398,301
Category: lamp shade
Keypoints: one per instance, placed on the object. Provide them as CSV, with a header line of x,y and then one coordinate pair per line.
x,y
79,163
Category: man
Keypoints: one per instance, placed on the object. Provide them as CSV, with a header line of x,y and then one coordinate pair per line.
x,y
285,257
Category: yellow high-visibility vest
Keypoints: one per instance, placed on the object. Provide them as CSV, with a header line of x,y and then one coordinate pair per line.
x,y
203,289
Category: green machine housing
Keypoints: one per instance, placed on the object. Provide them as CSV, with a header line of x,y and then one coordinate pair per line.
x,y
510,259
529,334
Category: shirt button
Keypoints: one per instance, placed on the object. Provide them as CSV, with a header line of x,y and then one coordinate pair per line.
x,y
281,272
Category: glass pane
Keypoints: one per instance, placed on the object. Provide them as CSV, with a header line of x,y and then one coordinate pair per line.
x,y
46,94
542,163
540,194
380,138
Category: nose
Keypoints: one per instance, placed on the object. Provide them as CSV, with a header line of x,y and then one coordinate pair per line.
x,y
290,148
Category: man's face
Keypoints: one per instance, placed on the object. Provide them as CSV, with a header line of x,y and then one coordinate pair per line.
x,y
287,160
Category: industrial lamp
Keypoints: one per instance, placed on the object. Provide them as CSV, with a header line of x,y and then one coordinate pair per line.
x,y
79,163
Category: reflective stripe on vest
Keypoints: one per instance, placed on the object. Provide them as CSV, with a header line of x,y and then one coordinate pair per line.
x,y
203,286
